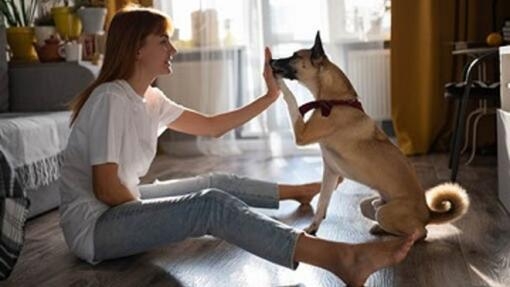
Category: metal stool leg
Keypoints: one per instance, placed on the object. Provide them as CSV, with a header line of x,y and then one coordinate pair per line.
x,y
473,148
475,128
466,137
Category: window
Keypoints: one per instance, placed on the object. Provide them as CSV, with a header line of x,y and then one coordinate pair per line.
x,y
365,18
293,20
229,16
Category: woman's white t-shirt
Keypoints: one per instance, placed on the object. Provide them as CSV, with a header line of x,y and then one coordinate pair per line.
x,y
115,125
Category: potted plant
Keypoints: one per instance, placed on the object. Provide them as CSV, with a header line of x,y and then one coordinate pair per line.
x,y
92,14
44,23
18,17
67,22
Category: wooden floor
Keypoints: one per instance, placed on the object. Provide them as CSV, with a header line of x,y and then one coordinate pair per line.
x,y
474,251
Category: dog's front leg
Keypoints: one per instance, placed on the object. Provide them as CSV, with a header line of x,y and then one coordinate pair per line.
x,y
329,183
292,105
311,131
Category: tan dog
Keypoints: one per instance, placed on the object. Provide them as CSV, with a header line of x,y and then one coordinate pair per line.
x,y
354,147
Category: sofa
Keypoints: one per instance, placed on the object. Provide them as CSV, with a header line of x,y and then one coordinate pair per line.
x,y
34,121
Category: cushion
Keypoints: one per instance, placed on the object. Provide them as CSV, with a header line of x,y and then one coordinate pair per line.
x,y
51,86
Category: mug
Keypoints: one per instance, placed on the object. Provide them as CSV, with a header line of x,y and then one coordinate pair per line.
x,y
71,51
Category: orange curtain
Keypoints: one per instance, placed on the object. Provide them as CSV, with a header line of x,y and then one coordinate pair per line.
x,y
420,59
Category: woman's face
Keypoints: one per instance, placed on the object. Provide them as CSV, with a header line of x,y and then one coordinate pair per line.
x,y
156,55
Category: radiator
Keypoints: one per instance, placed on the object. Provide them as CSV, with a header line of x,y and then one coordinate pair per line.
x,y
369,72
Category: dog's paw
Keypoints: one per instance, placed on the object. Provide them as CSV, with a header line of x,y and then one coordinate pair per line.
x,y
291,101
378,231
283,86
312,229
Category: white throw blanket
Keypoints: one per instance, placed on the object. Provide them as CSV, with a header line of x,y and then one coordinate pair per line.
x,y
32,144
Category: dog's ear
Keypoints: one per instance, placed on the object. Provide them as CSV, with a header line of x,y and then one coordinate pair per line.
x,y
317,50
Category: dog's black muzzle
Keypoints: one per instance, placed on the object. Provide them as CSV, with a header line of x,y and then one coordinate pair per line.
x,y
283,68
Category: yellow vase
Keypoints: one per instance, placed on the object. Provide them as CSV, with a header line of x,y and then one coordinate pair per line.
x,y
68,24
20,40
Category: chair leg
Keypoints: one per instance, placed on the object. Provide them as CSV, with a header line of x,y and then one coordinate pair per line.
x,y
473,148
466,136
475,125
459,129
453,143
461,112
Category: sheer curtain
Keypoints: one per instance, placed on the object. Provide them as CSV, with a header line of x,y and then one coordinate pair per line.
x,y
220,62
218,67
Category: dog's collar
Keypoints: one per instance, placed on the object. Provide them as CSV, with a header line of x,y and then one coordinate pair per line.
x,y
327,105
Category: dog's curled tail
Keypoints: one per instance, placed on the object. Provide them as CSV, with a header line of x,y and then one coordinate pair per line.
x,y
447,202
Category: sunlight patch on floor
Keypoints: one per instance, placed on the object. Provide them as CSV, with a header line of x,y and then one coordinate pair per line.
x,y
486,279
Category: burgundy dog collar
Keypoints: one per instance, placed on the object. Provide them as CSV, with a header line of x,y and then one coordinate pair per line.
x,y
327,105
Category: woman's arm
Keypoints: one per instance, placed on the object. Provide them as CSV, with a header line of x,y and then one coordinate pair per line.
x,y
193,122
107,186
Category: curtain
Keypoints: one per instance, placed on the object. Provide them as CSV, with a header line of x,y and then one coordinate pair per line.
x,y
423,32
218,66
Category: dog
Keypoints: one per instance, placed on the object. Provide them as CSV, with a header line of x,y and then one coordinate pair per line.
x,y
353,146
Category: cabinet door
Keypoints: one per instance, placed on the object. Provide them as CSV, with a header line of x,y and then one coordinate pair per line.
x,y
505,77
503,124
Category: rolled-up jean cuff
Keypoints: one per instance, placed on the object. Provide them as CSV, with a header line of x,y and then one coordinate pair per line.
x,y
293,264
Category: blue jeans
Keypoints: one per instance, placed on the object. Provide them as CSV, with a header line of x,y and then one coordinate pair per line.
x,y
214,204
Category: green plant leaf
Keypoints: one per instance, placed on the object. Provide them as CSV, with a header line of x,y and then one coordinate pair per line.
x,y
7,14
24,13
18,12
15,12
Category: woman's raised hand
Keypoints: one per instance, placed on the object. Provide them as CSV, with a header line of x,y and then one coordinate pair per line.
x,y
273,90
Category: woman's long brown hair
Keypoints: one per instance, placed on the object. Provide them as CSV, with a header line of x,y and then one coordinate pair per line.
x,y
126,35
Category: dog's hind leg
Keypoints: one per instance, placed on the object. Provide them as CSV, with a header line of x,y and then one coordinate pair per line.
x,y
377,230
369,205
396,221
330,180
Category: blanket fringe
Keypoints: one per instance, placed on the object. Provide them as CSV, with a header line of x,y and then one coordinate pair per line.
x,y
39,173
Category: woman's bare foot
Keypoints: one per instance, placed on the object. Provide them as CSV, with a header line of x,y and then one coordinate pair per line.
x,y
364,259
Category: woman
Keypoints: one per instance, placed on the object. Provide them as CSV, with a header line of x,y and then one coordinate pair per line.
x,y
115,125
